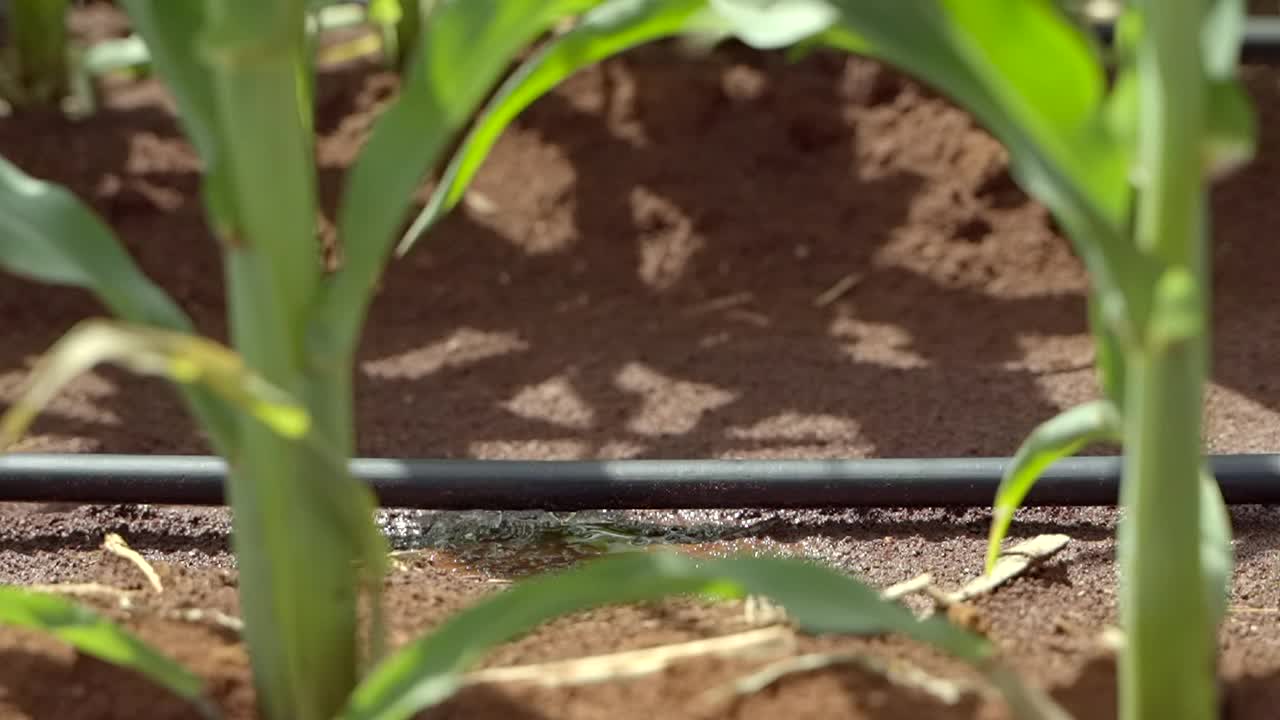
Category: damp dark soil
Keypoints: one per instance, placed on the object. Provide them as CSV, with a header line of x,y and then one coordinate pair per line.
x,y
670,256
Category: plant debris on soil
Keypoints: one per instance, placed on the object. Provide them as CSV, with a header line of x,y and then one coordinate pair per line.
x,y
674,256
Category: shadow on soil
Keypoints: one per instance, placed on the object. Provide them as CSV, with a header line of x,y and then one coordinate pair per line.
x,y
139,176
476,702
1093,692
663,302
1252,696
88,688
640,276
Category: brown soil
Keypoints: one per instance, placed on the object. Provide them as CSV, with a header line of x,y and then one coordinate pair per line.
x,y
635,275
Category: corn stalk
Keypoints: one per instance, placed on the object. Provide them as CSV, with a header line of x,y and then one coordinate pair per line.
x,y
1167,668
36,71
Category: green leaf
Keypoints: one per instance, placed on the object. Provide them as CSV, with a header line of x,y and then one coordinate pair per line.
x,y
1109,353
1217,557
173,35
93,635
385,12
37,54
399,28
1121,112
1220,41
179,357
770,24
316,510
117,54
988,57
818,600
300,526
1230,129
1053,440
1231,124
609,29
1177,314
464,49
1004,39
47,234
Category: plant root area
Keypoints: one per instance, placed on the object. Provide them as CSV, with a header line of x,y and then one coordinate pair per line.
x,y
671,256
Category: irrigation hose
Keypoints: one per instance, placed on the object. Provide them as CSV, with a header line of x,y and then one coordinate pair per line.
x,y
620,484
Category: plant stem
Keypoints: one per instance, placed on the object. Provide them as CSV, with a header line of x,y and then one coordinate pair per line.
x,y
38,34
1166,668
407,31
299,578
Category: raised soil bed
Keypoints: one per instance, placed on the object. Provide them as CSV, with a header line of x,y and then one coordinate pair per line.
x,y
645,269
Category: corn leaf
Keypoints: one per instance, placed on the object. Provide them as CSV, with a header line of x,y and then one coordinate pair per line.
x,y
1230,134
47,234
36,58
116,54
463,51
303,528
290,508
1230,142
182,358
1053,440
607,30
819,600
987,57
385,12
1231,129
1109,355
773,23
173,36
1220,41
171,33
93,635
1217,557
1231,121
399,29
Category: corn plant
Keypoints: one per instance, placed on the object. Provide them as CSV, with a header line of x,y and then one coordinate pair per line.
x,y
1123,166
1178,115
34,64
277,404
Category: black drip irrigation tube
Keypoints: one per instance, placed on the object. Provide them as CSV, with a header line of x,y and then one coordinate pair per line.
x,y
621,484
